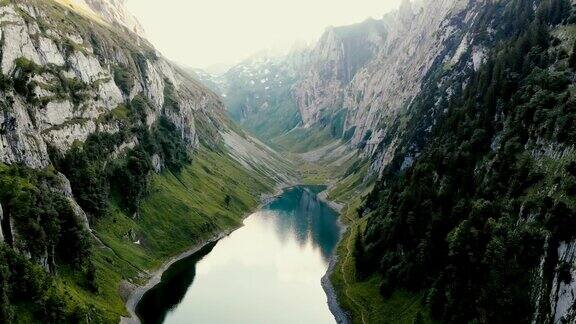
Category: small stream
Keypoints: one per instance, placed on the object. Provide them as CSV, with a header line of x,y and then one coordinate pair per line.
x,y
268,271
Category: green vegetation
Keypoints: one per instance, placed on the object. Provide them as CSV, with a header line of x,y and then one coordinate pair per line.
x,y
189,206
268,109
353,183
124,79
466,223
24,71
170,99
92,176
39,220
302,140
133,211
362,295
282,110
63,87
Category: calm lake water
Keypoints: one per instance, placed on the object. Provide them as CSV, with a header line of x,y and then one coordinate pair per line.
x,y
268,271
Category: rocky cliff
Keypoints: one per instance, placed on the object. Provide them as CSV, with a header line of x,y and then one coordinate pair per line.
x,y
68,79
392,58
339,54
113,12
361,79
66,75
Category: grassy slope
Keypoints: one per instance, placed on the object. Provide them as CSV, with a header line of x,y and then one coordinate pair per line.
x,y
302,140
285,116
180,211
362,299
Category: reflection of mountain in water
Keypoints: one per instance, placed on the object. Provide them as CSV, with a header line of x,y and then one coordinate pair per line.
x,y
176,281
296,216
303,215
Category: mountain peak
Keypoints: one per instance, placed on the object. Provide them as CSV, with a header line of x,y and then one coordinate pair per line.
x,y
110,11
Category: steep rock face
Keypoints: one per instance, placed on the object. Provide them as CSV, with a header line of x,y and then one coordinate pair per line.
x,y
417,37
334,62
392,59
65,77
73,86
113,12
1,220
563,290
360,80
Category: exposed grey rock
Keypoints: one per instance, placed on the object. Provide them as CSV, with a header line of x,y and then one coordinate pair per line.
x,y
49,52
370,73
1,230
65,189
563,293
20,140
86,67
157,163
114,11
60,122
16,39
385,87
337,57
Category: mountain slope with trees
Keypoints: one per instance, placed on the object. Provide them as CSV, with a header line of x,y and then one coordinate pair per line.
x,y
482,223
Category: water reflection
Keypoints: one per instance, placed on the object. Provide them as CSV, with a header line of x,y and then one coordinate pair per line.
x,y
302,215
266,272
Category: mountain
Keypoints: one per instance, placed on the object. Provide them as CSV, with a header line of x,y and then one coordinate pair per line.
x,y
107,149
482,214
257,92
111,11
455,120
357,83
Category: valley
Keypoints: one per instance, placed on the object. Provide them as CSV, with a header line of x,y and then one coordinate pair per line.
x,y
425,159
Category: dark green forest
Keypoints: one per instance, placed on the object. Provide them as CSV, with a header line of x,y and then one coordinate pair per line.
x,y
46,224
469,221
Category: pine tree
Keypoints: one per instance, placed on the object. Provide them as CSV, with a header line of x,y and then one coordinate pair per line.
x,y
359,256
572,60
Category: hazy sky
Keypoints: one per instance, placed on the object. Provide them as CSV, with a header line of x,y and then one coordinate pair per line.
x,y
201,33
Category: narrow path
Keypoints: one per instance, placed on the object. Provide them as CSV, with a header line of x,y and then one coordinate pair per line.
x,y
346,282
108,247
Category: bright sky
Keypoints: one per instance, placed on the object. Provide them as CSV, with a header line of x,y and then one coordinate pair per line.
x,y
202,33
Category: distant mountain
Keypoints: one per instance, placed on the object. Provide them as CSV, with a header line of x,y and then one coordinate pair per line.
x,y
357,81
257,92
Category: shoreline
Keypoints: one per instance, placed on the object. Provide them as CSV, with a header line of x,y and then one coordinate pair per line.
x,y
156,276
337,311
323,196
334,306
138,292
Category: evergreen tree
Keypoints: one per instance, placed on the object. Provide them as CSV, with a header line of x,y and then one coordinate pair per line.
x,y
572,59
